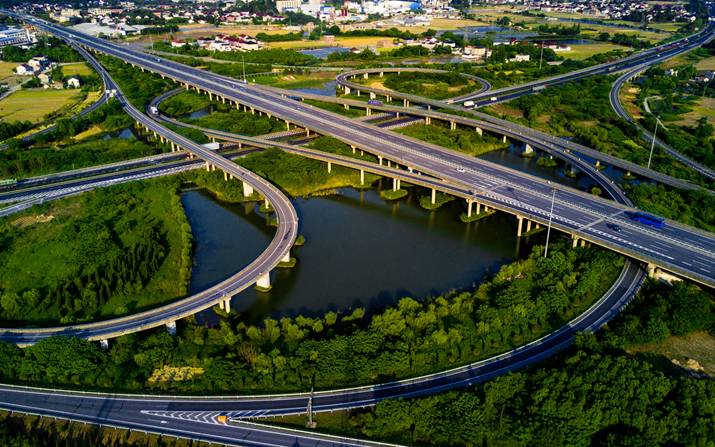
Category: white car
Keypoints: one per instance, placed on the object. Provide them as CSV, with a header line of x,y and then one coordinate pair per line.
x,y
460,169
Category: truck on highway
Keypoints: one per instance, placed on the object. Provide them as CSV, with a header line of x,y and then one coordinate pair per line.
x,y
468,103
493,98
646,219
536,88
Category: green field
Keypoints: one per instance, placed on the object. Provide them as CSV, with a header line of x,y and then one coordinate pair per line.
x,y
77,68
104,253
7,69
36,104
587,50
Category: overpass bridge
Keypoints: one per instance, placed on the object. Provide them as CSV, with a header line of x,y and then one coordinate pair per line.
x,y
678,249
534,138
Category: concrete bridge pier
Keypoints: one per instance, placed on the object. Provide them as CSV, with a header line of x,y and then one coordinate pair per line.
x,y
434,196
171,327
347,91
388,98
574,243
379,160
528,150
528,225
366,75
286,257
353,148
247,189
479,131
479,207
428,120
519,225
211,96
452,125
406,103
208,167
346,106
264,281
503,139
330,167
469,207
358,92
227,305
287,123
225,176
253,111
395,184
372,95
368,111
362,176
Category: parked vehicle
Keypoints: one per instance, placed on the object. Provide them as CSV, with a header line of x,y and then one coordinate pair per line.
x,y
153,110
374,102
614,227
538,87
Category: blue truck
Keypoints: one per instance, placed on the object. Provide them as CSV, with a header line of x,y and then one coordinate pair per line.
x,y
646,219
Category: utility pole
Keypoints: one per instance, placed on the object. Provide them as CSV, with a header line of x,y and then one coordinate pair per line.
x,y
652,143
551,215
311,423
541,56
243,58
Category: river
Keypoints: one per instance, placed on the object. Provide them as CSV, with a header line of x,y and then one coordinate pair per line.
x,y
360,251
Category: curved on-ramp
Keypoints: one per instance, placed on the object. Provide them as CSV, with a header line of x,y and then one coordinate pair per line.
x,y
279,246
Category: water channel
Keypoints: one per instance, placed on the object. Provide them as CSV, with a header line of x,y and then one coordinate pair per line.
x,y
360,251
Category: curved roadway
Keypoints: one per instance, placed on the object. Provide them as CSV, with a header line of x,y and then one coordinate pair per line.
x,y
648,136
264,263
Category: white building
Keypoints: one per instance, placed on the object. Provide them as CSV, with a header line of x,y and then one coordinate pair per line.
x,y
282,5
73,82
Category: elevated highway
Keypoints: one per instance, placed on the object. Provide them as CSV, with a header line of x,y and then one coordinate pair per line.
x,y
661,51
675,248
536,139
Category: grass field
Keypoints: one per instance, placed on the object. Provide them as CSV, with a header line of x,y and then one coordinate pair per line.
x,y
6,69
702,107
310,80
587,50
34,105
77,68
706,64
698,346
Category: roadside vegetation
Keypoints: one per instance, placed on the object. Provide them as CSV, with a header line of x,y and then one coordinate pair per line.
x,y
611,389
463,140
104,253
524,300
683,107
429,85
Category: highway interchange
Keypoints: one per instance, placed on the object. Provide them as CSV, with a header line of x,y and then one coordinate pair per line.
x,y
493,185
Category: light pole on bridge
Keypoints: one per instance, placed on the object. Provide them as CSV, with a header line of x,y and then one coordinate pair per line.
x,y
652,143
551,215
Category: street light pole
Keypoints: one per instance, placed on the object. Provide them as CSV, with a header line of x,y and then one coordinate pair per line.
x,y
551,215
652,143
541,56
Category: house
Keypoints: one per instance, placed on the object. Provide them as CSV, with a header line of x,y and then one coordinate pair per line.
x,y
471,52
44,78
74,82
671,72
39,63
705,76
24,70
519,58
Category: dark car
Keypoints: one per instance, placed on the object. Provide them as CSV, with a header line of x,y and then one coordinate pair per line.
x,y
614,227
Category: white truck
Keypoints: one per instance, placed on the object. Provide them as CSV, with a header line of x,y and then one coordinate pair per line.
x,y
493,98
468,103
